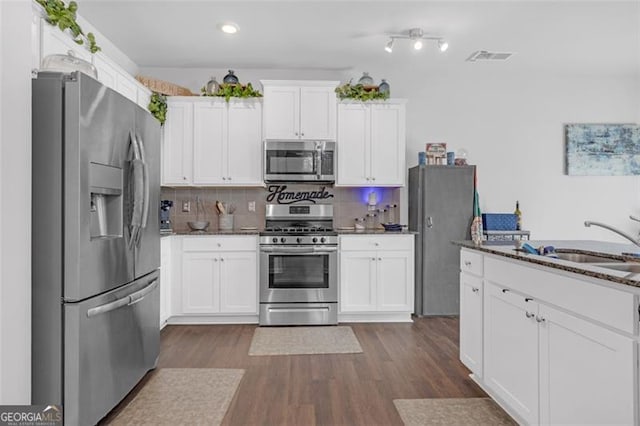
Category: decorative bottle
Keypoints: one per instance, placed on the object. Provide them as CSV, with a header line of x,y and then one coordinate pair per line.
x,y
366,79
212,86
384,87
230,78
518,214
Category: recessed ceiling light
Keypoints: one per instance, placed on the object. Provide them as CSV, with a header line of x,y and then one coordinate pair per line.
x,y
229,28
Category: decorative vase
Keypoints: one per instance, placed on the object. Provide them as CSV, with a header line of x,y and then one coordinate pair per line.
x,y
212,86
384,87
366,79
230,78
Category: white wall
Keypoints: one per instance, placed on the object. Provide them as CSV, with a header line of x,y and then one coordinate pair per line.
x,y
15,199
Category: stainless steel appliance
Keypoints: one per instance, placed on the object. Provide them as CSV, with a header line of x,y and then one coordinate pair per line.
x,y
440,211
95,245
165,216
304,161
298,266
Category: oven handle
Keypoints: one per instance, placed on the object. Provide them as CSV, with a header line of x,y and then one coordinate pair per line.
x,y
298,250
318,160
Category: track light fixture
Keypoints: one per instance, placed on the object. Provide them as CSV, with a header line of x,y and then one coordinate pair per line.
x,y
416,35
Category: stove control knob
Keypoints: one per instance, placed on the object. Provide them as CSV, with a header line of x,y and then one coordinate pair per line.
x,y
323,239
283,240
315,240
298,240
275,240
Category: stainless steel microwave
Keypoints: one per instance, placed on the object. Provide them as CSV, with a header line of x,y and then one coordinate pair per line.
x,y
300,161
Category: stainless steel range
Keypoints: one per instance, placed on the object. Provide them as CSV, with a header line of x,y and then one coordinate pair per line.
x,y
298,266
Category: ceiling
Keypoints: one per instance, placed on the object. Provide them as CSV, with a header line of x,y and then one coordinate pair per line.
x,y
590,37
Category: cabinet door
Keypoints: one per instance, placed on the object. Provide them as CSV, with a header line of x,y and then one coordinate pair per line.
x,y
165,279
394,281
107,74
511,350
387,144
318,113
471,322
143,97
177,144
55,41
126,86
200,283
585,372
239,282
358,281
244,149
281,112
354,134
209,139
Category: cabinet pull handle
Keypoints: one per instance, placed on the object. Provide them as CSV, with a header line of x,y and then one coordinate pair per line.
x,y
475,289
529,314
373,258
467,263
184,178
301,134
379,258
215,259
373,178
528,299
540,319
296,133
504,290
229,178
222,259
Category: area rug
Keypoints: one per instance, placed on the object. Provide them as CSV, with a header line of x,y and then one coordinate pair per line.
x,y
451,411
173,396
304,340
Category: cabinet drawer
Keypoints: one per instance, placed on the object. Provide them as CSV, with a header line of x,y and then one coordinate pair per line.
x,y
376,242
603,304
218,243
471,262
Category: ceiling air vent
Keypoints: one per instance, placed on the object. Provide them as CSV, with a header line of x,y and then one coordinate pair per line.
x,y
483,55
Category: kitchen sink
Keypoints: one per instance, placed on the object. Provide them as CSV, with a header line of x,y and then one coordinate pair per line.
x,y
631,267
584,257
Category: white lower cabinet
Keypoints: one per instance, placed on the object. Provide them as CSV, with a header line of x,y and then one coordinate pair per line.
x,y
165,280
214,279
471,291
546,360
376,278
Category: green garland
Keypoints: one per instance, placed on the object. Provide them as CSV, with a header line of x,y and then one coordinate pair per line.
x,y
158,107
358,91
65,18
229,91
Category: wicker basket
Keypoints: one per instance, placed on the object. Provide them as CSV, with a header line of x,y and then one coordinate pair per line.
x,y
163,87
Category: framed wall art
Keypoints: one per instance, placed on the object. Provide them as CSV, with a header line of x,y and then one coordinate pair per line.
x,y
602,149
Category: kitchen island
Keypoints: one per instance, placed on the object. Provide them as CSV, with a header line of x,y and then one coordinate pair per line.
x,y
553,341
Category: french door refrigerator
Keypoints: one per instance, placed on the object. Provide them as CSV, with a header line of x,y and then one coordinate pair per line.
x,y
95,245
440,211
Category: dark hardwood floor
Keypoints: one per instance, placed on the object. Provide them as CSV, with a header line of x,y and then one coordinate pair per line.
x,y
418,360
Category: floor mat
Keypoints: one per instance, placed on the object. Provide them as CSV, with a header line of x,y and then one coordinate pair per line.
x,y
304,340
194,396
451,411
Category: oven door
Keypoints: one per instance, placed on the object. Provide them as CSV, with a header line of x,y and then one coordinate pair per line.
x,y
309,161
298,274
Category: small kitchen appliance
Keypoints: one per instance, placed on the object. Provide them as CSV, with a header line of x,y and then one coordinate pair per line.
x,y
301,161
165,215
298,266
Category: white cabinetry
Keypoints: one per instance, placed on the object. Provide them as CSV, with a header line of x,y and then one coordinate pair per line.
x,y
552,357
471,295
165,280
376,277
212,142
372,137
219,276
296,110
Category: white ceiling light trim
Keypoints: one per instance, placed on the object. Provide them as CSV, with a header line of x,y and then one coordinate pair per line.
x,y
416,35
229,27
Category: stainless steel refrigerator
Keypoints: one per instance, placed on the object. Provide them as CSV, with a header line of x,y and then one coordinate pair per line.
x,y
440,211
95,245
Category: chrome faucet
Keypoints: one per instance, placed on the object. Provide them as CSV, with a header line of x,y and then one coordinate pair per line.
x,y
635,241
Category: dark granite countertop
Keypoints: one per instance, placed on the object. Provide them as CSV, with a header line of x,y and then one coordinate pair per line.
x,y
377,231
213,232
601,248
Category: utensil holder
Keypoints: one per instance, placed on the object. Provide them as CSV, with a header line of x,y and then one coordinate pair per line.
x,y
225,222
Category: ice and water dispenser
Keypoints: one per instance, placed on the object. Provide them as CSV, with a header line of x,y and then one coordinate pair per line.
x,y
106,210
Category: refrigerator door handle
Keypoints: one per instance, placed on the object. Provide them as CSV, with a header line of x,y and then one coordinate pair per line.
x,y
143,157
429,222
137,177
108,307
141,294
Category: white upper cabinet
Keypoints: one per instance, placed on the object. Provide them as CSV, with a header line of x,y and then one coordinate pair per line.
x,y
295,110
208,141
55,42
372,137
